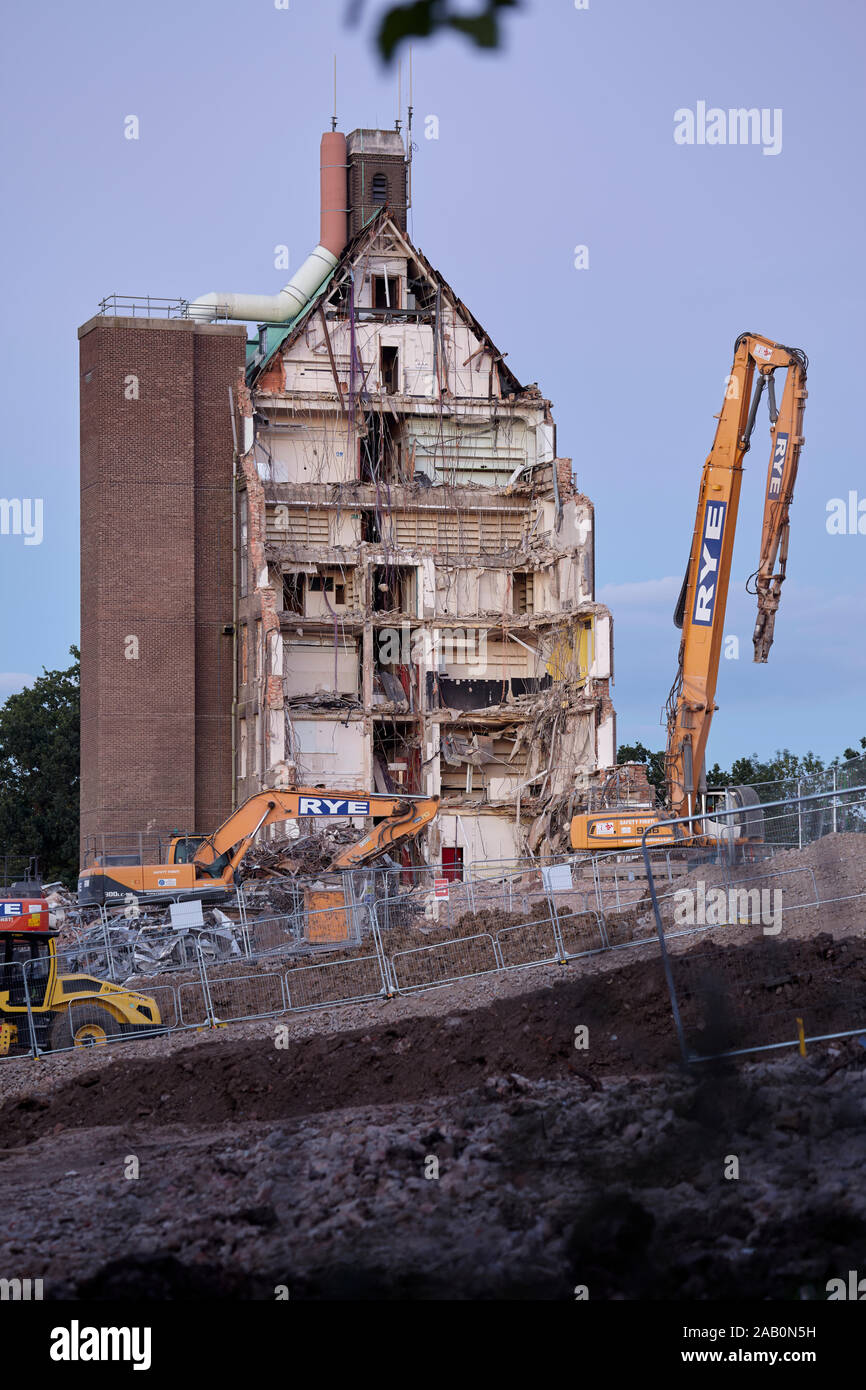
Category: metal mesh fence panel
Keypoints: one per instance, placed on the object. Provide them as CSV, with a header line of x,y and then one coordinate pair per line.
x,y
582,933
99,1019
346,981
307,929
520,890
767,993
165,997
194,1004
237,997
422,967
92,1009
274,935
533,943
18,1031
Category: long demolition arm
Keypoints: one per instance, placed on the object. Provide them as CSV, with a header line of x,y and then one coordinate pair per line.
x,y
402,817
701,609
787,433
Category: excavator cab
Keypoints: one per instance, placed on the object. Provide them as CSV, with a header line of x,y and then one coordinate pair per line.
x,y
184,848
25,953
42,1009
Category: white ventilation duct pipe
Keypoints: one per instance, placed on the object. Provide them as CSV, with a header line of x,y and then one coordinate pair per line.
x,y
269,308
293,297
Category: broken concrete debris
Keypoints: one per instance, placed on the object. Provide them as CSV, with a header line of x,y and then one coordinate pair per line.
x,y
303,854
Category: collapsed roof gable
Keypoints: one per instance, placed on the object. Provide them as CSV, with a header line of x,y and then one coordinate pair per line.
x,y
275,337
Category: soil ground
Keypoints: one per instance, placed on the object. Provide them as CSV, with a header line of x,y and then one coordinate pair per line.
x,y
458,1145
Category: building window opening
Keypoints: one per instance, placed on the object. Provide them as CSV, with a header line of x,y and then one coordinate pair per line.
x,y
381,450
422,295
293,593
380,188
389,369
396,762
371,532
393,588
522,593
386,292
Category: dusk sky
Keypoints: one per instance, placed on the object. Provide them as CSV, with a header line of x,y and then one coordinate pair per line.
x,y
565,138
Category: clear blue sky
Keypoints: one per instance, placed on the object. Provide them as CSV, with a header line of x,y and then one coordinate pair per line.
x,y
563,138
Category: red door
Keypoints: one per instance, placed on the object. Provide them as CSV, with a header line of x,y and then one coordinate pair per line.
x,y
452,864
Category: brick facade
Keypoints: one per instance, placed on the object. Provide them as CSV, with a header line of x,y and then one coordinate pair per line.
x,y
375,155
156,548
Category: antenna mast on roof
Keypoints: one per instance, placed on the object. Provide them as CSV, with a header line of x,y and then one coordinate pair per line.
x,y
334,117
409,138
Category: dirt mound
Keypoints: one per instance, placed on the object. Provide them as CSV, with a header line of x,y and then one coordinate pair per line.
x,y
618,1184
417,1057
838,862
626,1011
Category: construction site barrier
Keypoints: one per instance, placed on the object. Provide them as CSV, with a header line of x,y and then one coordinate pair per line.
x,y
368,947
327,983
443,962
791,972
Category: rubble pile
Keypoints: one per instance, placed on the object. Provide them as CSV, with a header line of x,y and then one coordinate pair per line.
x,y
306,854
121,947
61,904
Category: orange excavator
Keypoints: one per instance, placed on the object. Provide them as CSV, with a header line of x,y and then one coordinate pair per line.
x,y
205,866
700,612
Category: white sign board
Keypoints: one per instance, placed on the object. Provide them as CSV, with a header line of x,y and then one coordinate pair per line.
x,y
557,878
187,914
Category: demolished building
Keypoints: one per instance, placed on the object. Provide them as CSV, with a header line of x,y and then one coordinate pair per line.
x,y
409,560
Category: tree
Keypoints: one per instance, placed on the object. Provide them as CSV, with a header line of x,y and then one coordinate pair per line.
x,y
784,766
749,770
39,772
422,18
